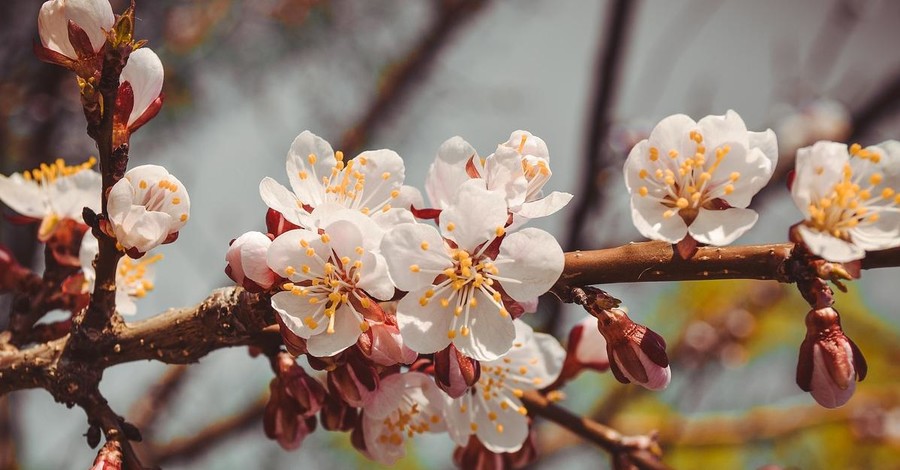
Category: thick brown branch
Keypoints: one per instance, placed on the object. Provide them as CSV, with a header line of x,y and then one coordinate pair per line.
x,y
610,439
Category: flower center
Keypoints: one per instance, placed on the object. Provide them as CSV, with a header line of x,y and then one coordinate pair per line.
x,y
688,185
849,204
406,420
458,286
326,284
47,174
537,172
346,185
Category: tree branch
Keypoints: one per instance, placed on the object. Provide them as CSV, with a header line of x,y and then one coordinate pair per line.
x,y
636,449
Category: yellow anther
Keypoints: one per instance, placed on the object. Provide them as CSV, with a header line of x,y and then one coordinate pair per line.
x,y
183,217
395,193
518,392
855,148
464,331
313,300
311,158
729,188
473,302
497,297
654,154
682,203
643,191
386,208
339,156
865,194
288,286
492,416
887,193
414,268
503,312
696,136
458,310
445,302
310,252
500,231
522,410
325,238
385,175
424,245
668,213
673,153
734,176
876,179
705,176
329,269
874,217
451,334
451,227
473,427
643,174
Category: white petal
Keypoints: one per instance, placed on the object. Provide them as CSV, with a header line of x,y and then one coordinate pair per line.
x,y
648,217
672,133
254,246
24,197
818,168
384,172
285,250
374,277
545,206
514,427
411,266
534,145
637,160
754,170
144,71
346,332
73,193
448,171
767,143
504,173
828,247
142,229
93,16
309,189
280,199
293,309
490,333
538,263
723,130
424,329
721,227
474,216
460,414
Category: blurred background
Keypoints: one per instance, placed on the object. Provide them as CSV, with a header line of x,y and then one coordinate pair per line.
x,y
243,78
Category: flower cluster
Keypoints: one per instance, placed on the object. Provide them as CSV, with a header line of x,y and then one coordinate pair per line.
x,y
363,282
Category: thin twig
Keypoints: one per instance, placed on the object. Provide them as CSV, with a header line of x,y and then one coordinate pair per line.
x,y
146,411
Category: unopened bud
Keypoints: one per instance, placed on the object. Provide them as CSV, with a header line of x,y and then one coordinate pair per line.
x,y
382,343
109,457
454,372
283,420
337,415
638,354
294,344
93,436
246,257
307,393
586,349
354,381
830,363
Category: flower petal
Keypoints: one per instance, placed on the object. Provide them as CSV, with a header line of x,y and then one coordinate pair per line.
x,y
828,247
415,253
346,331
545,206
648,217
506,433
424,328
293,309
285,250
144,71
305,173
537,262
448,171
475,215
721,227
24,197
491,334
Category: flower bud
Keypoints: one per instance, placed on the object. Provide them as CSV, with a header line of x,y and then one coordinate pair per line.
x,y
290,414
586,349
337,415
354,381
109,457
830,363
246,257
294,344
454,373
139,98
382,343
90,17
147,207
638,353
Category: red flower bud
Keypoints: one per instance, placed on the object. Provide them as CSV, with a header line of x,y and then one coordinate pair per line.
x,y
337,415
305,391
454,372
354,380
830,363
638,354
586,349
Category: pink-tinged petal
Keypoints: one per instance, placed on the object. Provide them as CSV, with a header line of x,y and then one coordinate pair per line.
x,y
649,218
823,387
828,247
504,173
346,331
658,377
144,71
293,309
329,213
590,349
506,433
24,197
344,238
415,253
92,16
424,328
448,171
879,235
374,277
286,250
545,206
490,333
818,169
550,356
721,227
119,202
142,229
305,173
474,216
254,247
537,263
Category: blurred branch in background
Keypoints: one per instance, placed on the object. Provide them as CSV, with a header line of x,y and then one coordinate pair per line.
x,y
7,435
145,413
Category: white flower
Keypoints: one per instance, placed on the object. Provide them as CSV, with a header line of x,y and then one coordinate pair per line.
x,y
372,183
849,198
133,278
93,16
519,169
147,208
247,262
144,72
52,193
823,119
333,272
458,278
493,411
697,178
404,405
